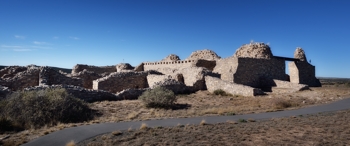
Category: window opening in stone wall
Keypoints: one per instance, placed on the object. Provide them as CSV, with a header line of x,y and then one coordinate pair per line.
x,y
287,71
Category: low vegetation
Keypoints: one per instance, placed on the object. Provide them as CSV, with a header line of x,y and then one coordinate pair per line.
x,y
158,97
35,109
221,92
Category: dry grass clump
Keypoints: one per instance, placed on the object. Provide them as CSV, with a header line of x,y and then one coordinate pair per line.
x,y
281,103
203,122
143,126
221,92
34,109
158,97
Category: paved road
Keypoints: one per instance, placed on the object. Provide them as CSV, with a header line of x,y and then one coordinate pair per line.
x,y
62,137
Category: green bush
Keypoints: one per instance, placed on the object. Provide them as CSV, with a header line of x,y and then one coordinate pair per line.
x,y
158,97
221,92
34,109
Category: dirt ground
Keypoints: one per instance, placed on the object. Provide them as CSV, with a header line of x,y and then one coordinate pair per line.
x,y
201,103
321,129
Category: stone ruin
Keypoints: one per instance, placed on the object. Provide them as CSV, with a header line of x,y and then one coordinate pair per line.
x,y
252,70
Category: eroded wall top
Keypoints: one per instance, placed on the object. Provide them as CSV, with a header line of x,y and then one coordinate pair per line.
x,y
171,57
203,54
300,54
254,50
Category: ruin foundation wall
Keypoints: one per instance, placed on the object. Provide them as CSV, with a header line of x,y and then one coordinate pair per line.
x,y
214,83
97,69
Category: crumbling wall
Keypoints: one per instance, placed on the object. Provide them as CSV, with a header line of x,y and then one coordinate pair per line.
x,y
11,71
226,68
21,80
49,76
214,83
122,67
204,55
87,78
139,67
119,81
152,79
97,69
301,72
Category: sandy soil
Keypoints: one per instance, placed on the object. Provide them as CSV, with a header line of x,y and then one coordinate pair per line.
x,y
201,103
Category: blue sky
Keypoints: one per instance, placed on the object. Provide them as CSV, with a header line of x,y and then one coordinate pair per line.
x,y
67,32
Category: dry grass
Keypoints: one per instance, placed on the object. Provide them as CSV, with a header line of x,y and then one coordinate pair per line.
x,y
143,126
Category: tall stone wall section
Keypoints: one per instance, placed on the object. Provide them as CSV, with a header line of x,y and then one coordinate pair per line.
x,y
226,68
301,72
259,72
119,81
21,80
214,83
97,69
11,71
173,66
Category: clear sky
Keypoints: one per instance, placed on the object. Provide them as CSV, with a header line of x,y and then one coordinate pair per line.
x,y
63,33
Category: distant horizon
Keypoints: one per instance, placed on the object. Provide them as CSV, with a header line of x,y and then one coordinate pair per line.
x,y
65,33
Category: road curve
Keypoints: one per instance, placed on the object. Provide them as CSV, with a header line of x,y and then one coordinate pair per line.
x,y
80,133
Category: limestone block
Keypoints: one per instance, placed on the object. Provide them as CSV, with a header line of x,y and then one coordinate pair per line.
x,y
214,83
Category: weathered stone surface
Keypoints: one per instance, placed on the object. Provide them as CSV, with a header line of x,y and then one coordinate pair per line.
x,y
214,83
97,69
49,76
293,86
129,94
194,77
87,78
139,67
301,72
203,54
171,57
87,95
119,81
173,85
27,78
11,71
254,50
124,67
300,54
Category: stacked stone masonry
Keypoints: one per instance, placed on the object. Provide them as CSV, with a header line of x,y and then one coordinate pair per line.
x,y
252,66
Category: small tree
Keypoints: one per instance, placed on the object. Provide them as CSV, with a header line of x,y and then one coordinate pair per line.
x,y
159,97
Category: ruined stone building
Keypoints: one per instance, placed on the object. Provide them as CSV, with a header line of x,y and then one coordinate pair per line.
x,y
251,70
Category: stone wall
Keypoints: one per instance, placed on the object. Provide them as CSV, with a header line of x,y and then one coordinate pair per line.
x,y
214,83
301,72
49,76
97,69
178,65
259,72
226,68
119,81
87,78
4,91
11,71
21,80
289,85
152,79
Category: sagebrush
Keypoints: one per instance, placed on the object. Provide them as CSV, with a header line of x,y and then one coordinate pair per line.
x,y
159,97
34,109
221,92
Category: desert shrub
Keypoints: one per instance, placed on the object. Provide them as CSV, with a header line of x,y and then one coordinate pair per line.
x,y
221,92
280,103
159,97
44,107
